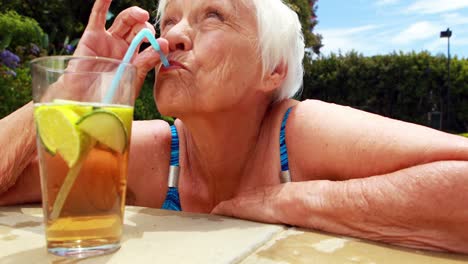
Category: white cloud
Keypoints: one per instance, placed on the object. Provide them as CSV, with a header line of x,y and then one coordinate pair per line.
x,y
436,46
386,2
347,39
462,41
436,6
454,19
439,46
348,31
417,31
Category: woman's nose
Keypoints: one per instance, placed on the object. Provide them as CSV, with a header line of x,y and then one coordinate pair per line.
x,y
179,38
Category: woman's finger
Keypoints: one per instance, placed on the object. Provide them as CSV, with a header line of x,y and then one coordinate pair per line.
x,y
127,19
147,60
97,19
131,35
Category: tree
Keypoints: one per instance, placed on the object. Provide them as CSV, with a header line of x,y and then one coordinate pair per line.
x,y
65,20
307,12
148,5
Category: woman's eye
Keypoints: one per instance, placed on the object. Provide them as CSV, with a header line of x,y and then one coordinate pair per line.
x,y
167,22
214,14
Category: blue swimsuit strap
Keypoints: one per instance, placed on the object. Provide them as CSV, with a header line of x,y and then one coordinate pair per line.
x,y
174,147
285,176
172,201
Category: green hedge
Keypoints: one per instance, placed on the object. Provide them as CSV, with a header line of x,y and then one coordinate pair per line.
x,y
404,86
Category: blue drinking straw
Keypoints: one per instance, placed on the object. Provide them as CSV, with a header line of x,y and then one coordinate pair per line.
x,y
144,33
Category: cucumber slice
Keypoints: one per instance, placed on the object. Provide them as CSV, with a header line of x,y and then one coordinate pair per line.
x,y
106,127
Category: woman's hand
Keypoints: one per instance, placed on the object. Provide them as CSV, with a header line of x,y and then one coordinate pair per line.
x,y
421,207
114,42
260,204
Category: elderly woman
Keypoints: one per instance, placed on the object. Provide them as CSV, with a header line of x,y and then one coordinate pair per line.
x,y
248,151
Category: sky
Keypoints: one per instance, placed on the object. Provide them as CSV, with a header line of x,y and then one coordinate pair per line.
x,y
382,26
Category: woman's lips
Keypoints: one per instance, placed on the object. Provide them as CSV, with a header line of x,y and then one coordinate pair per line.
x,y
173,65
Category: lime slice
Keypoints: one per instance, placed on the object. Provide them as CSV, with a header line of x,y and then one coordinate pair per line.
x,y
125,114
58,132
106,127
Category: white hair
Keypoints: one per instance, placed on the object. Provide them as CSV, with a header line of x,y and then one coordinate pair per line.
x,y
280,41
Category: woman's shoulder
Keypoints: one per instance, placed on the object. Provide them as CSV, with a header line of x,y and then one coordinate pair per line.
x,y
150,132
316,113
151,140
149,152
303,112
313,131
312,108
308,106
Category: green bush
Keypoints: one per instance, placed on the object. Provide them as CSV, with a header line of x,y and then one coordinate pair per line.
x,y
19,37
15,91
17,30
404,86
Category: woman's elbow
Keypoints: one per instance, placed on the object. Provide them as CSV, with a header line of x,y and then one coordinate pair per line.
x,y
7,176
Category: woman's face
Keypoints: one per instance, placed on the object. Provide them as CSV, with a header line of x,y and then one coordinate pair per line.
x,y
213,54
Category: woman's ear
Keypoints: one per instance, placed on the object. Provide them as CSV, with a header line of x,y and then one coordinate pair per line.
x,y
276,78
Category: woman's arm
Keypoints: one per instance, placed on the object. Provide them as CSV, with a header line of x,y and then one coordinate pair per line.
x,y
367,176
17,138
424,206
328,141
147,176
27,188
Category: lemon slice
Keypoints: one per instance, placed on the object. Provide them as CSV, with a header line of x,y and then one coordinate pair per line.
x,y
58,132
106,127
78,107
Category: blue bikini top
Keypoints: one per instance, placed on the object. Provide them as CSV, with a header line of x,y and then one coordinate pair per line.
x,y
172,201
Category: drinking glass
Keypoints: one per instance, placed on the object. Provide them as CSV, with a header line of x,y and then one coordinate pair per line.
x,y
83,144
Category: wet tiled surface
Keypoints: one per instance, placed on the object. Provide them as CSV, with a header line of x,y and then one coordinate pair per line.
x,y
158,236
303,246
150,236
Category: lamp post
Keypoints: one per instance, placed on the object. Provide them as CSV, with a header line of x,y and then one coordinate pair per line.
x,y
447,34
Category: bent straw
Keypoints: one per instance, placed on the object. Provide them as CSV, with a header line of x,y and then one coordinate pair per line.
x,y
74,171
128,56
68,183
64,190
